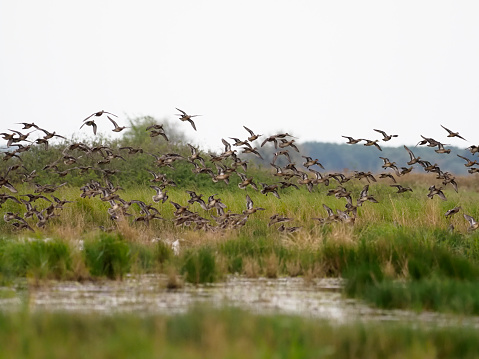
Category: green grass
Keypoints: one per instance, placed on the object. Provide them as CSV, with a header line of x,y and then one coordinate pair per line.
x,y
200,266
36,258
390,267
228,333
109,256
398,254
409,210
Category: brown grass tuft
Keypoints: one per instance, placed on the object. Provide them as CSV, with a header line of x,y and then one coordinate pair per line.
x,y
388,268
294,268
173,279
79,270
271,266
316,271
251,268
134,233
342,233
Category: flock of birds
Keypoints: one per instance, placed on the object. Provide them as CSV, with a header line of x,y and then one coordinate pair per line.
x,y
223,166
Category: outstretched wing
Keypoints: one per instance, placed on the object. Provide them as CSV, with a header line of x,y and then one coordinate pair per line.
x,y
381,132
471,220
192,123
250,132
249,202
113,122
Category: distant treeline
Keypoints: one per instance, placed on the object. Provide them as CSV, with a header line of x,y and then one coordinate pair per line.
x,y
339,157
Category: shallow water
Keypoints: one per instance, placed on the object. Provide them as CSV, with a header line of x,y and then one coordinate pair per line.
x,y
147,294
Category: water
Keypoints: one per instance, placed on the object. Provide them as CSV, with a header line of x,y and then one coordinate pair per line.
x,y
147,294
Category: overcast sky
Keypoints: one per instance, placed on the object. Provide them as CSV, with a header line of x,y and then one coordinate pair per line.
x,y
317,69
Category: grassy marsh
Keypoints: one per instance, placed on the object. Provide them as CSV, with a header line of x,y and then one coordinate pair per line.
x,y
400,253
392,259
229,333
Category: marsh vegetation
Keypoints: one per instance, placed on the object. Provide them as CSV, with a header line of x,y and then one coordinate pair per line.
x,y
228,333
86,211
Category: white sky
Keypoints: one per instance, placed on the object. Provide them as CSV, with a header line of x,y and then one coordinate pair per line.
x,y
317,69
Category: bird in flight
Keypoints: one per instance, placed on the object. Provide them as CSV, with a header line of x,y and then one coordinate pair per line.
x,y
27,126
386,137
252,136
453,134
352,141
453,211
372,143
414,159
90,123
98,114
472,222
117,128
185,117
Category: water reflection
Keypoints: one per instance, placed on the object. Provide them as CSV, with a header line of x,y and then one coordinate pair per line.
x,y
147,294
